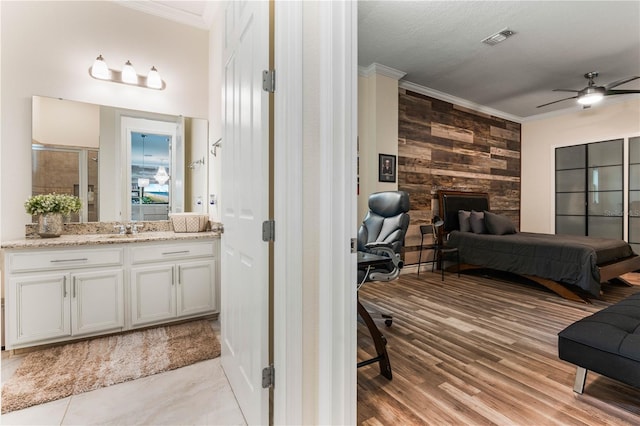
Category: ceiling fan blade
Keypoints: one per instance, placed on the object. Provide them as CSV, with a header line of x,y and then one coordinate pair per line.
x,y
619,82
555,102
620,92
565,90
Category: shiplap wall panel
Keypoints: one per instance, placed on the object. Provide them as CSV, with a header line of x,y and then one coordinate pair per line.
x,y
446,146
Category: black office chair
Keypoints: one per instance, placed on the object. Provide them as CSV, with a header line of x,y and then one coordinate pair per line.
x,y
382,233
439,247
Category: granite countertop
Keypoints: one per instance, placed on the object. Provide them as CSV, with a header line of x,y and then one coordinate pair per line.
x,y
103,239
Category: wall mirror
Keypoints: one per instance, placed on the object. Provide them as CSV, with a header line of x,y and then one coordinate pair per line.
x,y
123,164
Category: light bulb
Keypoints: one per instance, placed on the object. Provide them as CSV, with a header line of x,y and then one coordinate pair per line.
x,y
153,79
129,74
100,69
590,99
143,182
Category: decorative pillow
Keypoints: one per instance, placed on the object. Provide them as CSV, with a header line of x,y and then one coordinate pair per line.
x,y
476,220
498,224
463,220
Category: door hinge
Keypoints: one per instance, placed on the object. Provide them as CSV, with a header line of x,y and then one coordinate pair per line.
x,y
268,376
354,245
269,230
269,81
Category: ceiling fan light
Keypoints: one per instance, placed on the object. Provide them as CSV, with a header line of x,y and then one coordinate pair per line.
x,y
100,69
590,99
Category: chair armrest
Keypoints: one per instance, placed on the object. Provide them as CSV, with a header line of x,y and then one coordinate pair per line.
x,y
378,245
394,258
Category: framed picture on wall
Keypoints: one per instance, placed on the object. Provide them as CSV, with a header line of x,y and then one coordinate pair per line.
x,y
386,168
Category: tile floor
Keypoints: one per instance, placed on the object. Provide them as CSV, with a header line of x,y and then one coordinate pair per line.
x,y
198,394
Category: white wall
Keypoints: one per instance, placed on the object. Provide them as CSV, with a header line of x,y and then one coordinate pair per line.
x,y
377,132
47,49
63,123
541,137
196,176
215,112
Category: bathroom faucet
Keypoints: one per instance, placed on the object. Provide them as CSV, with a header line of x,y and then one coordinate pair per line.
x,y
121,229
133,228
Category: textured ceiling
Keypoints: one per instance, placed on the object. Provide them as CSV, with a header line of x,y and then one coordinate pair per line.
x,y
438,44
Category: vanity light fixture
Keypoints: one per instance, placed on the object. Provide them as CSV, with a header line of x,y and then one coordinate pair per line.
x,y
128,75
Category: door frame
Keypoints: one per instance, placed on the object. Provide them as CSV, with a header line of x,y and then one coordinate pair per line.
x,y
323,389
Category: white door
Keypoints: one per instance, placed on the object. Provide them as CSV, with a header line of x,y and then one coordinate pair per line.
x,y
244,206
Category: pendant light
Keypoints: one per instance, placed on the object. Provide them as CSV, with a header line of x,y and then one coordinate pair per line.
x,y
162,176
143,182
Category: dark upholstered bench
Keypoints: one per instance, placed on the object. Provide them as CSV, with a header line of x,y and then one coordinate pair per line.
x,y
607,342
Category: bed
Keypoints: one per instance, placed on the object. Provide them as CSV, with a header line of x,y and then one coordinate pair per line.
x,y
572,266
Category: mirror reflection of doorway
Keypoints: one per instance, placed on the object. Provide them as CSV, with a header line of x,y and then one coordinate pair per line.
x,y
150,175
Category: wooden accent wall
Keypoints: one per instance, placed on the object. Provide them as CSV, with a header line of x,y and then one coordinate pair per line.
x,y
445,146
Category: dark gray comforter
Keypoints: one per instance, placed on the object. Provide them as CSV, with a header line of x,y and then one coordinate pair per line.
x,y
564,258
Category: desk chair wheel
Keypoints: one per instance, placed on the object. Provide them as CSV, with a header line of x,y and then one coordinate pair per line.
x,y
388,320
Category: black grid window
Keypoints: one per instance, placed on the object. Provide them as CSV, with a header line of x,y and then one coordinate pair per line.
x,y
589,189
634,194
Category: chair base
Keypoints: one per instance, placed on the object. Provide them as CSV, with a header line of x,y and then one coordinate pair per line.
x,y
379,341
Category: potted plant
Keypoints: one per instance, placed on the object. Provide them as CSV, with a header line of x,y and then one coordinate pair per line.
x,y
50,209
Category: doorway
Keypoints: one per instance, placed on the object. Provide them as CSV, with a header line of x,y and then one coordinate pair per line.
x,y
150,174
151,169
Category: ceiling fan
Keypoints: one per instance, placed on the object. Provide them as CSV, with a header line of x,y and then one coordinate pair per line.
x,y
592,93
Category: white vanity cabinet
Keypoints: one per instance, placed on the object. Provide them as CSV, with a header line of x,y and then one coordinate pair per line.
x,y
54,295
87,285
172,281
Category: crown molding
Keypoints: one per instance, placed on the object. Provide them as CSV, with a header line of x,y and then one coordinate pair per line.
x,y
203,21
407,85
380,69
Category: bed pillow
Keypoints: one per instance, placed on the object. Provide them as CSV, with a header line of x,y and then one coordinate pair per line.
x,y
476,220
498,224
463,220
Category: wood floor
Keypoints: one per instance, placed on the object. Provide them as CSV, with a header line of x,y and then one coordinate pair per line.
x,y
476,350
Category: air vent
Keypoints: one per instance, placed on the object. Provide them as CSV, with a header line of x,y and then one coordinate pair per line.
x,y
498,37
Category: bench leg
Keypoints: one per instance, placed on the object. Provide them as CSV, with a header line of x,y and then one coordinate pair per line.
x,y
581,378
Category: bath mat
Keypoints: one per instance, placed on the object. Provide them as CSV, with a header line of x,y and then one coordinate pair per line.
x,y
60,371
